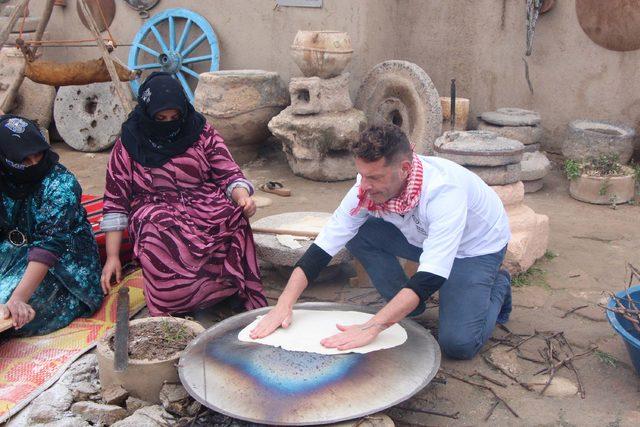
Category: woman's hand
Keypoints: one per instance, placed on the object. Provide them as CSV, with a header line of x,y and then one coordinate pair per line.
x,y
111,267
20,312
242,198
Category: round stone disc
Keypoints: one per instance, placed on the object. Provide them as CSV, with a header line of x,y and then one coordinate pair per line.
x,y
528,135
511,117
478,148
401,93
269,385
269,249
88,117
497,175
535,166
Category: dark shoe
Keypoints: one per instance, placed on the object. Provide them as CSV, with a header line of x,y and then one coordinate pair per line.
x,y
505,311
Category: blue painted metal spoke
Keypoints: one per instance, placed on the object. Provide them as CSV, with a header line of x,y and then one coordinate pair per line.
x,y
147,49
196,59
151,51
189,71
185,33
194,45
172,33
151,66
185,85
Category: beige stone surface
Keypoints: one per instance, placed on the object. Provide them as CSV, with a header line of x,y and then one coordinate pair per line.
x,y
510,194
313,95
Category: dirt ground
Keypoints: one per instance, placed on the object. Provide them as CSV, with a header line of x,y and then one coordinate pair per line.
x,y
588,250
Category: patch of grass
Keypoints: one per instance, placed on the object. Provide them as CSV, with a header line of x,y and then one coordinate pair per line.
x,y
549,255
174,333
572,169
606,358
535,276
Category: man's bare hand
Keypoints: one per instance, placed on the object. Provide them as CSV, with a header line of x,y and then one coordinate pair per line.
x,y
279,316
353,336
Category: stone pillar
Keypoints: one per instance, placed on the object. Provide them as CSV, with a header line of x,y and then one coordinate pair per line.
x,y
497,161
318,127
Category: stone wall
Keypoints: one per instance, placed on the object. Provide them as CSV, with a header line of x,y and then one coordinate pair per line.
x,y
572,77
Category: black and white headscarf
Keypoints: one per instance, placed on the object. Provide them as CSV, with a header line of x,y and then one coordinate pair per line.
x,y
20,138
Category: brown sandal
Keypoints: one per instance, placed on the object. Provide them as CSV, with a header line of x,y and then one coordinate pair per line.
x,y
275,187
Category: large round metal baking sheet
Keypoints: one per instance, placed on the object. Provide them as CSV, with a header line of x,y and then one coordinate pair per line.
x,y
269,385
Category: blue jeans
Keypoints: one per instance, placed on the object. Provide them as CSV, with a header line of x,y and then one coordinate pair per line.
x,y
470,300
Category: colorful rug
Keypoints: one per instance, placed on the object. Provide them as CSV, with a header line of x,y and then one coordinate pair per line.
x,y
28,366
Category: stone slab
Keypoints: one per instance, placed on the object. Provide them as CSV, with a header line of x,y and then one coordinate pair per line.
x,y
402,93
511,117
529,241
98,413
592,138
532,148
526,134
533,186
497,175
511,194
88,117
478,148
313,95
534,166
270,250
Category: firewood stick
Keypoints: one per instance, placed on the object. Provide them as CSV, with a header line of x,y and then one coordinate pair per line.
x,y
44,20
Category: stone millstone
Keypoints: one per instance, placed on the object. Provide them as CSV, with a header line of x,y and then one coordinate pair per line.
x,y
588,138
30,24
317,146
533,186
534,166
526,134
478,148
34,101
270,250
497,175
88,117
511,117
401,93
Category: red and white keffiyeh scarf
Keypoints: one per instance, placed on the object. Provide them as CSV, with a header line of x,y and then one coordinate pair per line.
x,y
402,204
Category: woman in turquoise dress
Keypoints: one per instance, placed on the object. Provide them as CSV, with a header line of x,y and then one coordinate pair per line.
x,y
49,263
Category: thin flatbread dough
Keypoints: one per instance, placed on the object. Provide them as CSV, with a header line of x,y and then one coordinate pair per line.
x,y
311,326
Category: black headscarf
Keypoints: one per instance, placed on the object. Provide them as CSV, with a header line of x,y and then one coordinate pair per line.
x,y
153,143
20,138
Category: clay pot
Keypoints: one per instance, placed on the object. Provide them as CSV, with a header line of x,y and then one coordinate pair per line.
x,y
239,105
603,190
142,378
321,53
462,113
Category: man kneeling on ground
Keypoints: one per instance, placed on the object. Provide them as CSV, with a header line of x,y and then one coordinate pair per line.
x,y
425,209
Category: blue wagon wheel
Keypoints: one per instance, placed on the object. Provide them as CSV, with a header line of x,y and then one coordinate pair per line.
x,y
189,47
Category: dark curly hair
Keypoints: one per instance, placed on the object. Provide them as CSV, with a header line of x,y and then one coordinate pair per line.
x,y
388,141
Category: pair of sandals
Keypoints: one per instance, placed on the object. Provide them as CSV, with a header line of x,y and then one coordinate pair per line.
x,y
275,187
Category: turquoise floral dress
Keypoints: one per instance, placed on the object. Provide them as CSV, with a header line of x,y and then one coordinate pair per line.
x,y
59,235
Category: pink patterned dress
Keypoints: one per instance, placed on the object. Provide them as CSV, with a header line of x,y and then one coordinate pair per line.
x,y
194,245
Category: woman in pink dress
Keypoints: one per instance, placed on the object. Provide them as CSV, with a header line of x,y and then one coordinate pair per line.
x,y
173,183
